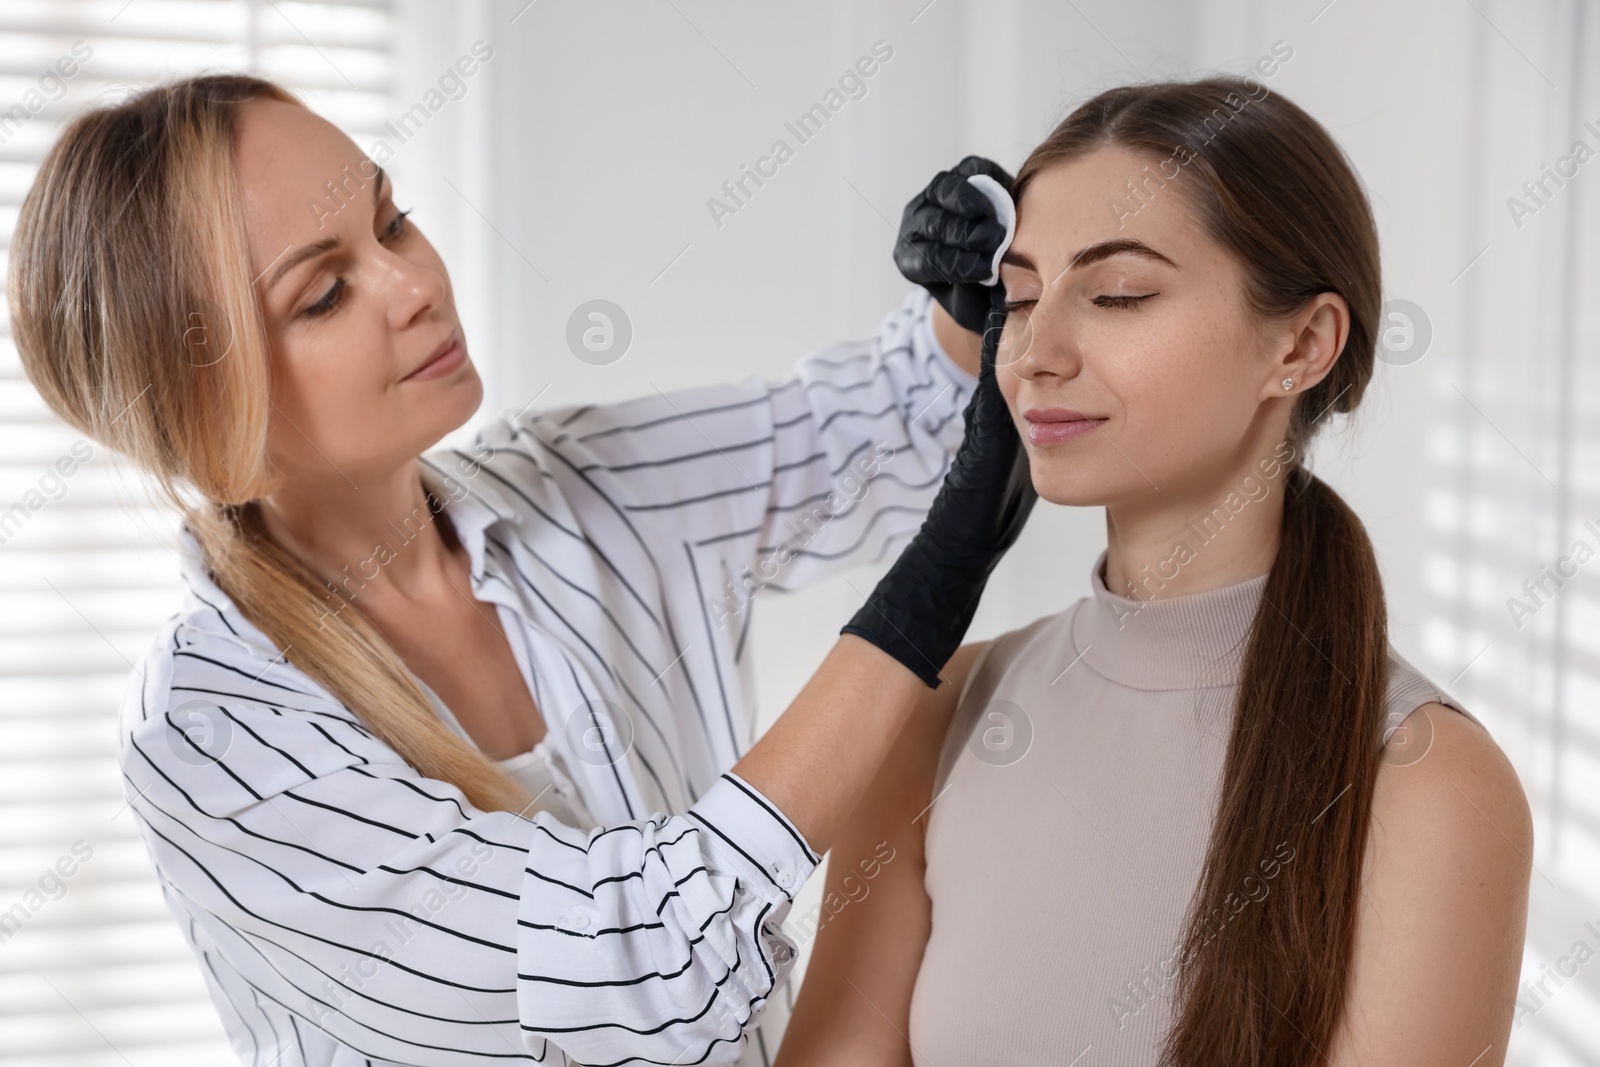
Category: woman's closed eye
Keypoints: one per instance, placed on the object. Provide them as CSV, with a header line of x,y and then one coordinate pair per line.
x,y
1106,301
335,294
1128,302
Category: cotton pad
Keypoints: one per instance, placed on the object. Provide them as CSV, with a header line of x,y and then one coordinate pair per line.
x,y
1004,210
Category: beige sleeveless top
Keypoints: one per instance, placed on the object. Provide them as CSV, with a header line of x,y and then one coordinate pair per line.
x,y
1072,808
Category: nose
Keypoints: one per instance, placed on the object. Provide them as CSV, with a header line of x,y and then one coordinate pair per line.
x,y
414,289
1040,343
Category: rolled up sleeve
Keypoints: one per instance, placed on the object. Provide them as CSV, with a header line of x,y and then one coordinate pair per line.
x,y
682,925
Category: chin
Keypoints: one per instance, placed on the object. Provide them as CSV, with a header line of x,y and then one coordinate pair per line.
x,y
1064,488
455,405
1076,484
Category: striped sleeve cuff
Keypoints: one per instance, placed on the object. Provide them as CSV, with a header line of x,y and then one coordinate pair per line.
x,y
755,841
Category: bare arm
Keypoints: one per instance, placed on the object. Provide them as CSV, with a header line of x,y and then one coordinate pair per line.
x,y
855,1005
841,726
835,733
1444,906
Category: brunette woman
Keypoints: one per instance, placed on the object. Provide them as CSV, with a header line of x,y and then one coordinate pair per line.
x,y
1205,815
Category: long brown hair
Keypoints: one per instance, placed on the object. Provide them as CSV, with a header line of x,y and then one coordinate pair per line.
x,y
134,312
1269,184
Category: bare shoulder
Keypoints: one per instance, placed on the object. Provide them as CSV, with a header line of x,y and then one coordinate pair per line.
x,y
1444,898
1455,780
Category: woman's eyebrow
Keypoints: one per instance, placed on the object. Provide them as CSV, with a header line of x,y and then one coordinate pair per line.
x,y
1120,246
327,244
1117,247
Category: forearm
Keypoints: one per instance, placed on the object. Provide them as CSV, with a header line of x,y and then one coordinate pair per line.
x,y
875,918
818,759
854,1009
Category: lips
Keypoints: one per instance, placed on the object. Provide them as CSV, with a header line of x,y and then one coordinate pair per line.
x,y
1048,426
449,355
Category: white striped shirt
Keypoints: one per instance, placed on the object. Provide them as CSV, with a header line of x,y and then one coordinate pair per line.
x,y
346,910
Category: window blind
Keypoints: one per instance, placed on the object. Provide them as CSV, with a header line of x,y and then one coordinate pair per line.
x,y
92,968
1513,491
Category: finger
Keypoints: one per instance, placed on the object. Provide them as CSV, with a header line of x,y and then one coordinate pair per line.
x,y
932,223
965,266
908,217
979,165
930,264
954,193
934,263
916,261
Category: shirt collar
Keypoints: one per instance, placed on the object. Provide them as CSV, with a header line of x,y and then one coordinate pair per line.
x,y
192,566
473,501
205,596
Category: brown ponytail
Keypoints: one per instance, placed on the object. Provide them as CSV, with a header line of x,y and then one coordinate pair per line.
x,y
1264,983
135,317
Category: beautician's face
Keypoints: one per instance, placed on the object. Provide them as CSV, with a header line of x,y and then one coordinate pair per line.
x,y
349,327
1156,344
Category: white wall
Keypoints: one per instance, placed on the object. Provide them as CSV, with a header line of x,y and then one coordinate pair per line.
x,y
613,124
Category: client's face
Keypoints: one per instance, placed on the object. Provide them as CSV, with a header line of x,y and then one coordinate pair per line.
x,y
1129,360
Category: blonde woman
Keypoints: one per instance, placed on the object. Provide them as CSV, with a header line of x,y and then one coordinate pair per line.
x,y
447,757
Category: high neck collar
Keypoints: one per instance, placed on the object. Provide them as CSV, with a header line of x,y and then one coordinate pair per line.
x,y
1174,642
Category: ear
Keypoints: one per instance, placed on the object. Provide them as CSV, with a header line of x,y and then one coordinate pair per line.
x,y
1313,339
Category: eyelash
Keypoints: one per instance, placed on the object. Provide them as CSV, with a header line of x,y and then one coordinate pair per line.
x,y
1127,302
332,298
1123,302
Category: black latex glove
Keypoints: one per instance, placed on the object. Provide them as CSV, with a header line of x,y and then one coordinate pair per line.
x,y
948,235
920,611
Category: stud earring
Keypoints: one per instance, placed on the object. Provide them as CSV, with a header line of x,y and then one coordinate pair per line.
x,y
1288,383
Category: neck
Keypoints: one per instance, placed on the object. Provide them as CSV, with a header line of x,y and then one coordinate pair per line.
x,y
1211,533
382,538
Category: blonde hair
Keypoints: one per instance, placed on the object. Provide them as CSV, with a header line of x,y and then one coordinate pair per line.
x,y
129,272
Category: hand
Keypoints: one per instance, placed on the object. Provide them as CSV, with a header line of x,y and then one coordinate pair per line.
x,y
920,611
949,235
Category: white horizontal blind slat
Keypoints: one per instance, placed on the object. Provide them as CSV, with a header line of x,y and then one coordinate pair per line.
x,y
1514,480
98,973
